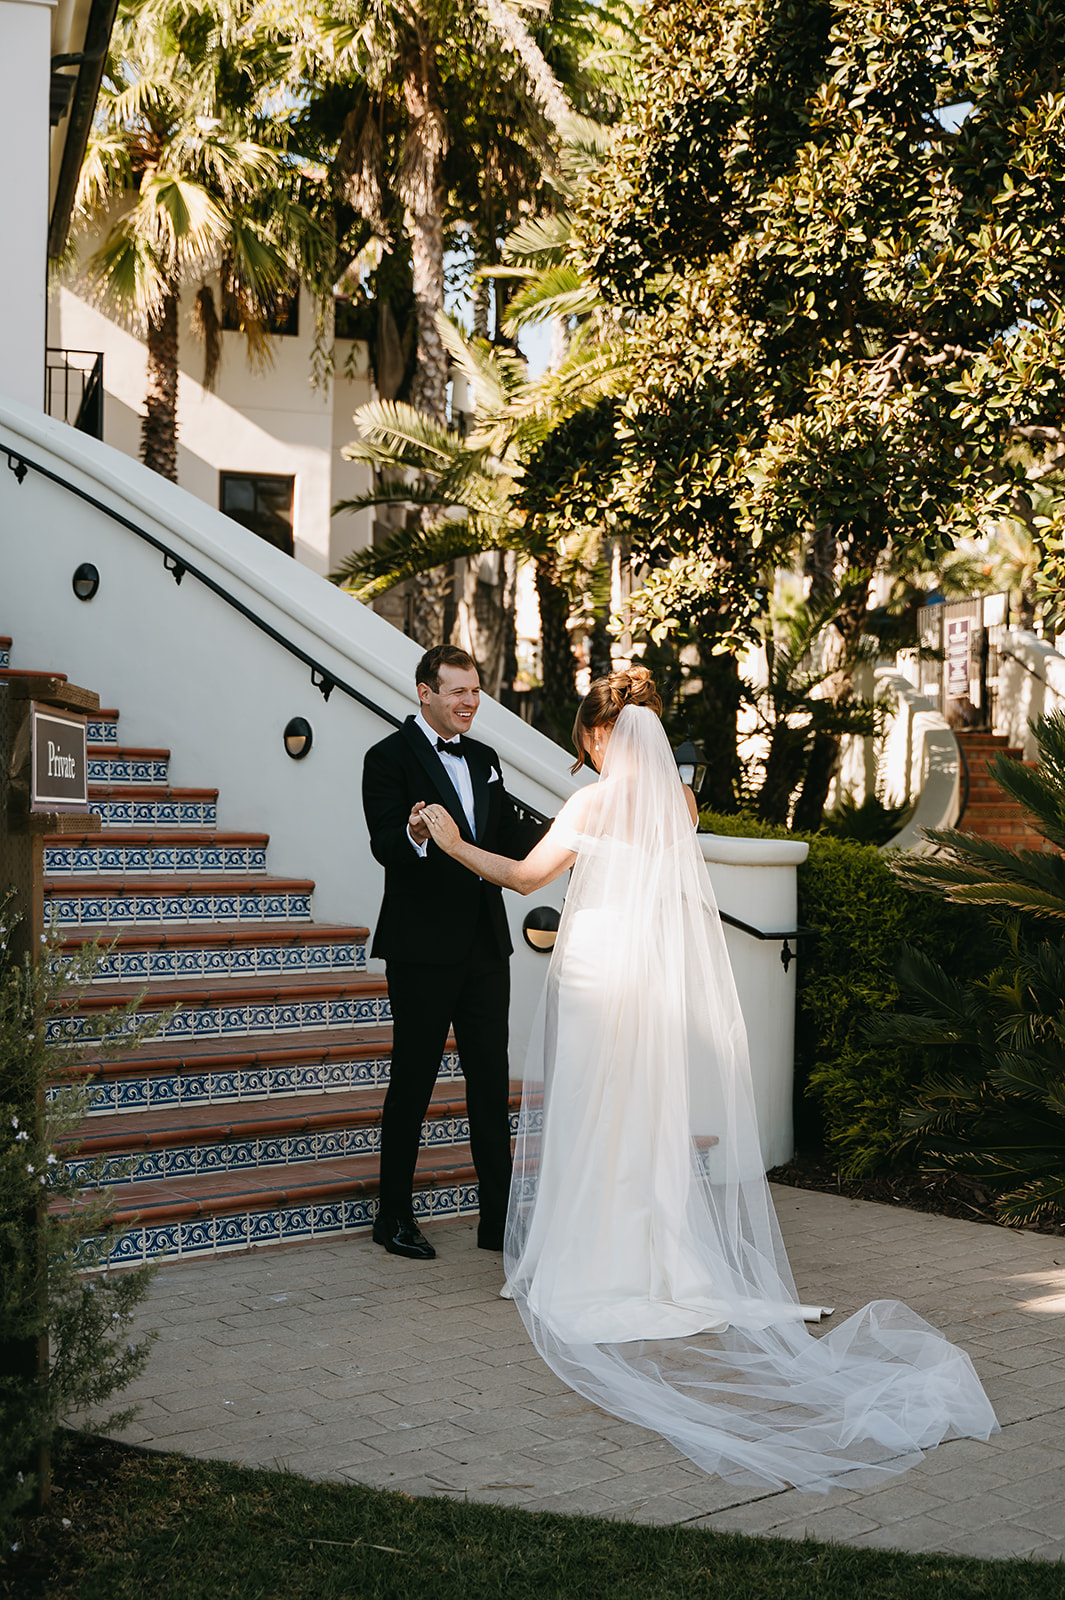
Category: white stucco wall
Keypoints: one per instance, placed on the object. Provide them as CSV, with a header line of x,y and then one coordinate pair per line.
x,y
25,44
190,674
270,419
1031,685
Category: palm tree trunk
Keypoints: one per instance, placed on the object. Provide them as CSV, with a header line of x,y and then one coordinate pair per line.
x,y
820,770
159,424
559,664
717,712
423,190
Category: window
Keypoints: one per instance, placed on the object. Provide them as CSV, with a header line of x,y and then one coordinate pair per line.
x,y
259,501
284,319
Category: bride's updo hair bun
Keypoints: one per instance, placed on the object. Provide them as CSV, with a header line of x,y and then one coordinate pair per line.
x,y
634,686
606,699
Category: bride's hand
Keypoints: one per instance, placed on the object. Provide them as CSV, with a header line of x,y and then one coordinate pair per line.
x,y
443,830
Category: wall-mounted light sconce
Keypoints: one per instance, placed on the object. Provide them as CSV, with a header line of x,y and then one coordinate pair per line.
x,y
299,736
540,929
86,581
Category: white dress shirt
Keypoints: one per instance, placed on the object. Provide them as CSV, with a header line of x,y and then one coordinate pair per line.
x,y
459,773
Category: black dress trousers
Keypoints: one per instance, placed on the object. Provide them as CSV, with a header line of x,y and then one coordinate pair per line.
x,y
472,997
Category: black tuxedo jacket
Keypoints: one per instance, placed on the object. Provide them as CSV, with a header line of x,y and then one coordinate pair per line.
x,y
432,905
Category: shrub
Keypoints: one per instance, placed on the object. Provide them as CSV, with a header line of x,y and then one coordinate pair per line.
x,y
992,1102
850,1095
53,1241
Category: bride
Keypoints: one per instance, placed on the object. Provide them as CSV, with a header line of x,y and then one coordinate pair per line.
x,y
642,1249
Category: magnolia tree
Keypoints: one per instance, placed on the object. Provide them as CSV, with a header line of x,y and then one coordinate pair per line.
x,y
838,230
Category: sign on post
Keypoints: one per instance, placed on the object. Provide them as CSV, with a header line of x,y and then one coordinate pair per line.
x,y
957,653
59,764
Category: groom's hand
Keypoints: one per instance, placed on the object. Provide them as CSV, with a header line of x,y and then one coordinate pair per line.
x,y
416,825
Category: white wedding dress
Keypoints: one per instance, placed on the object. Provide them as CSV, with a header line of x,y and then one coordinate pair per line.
x,y
642,1248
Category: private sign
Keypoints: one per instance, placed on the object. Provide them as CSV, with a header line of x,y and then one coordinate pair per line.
x,y
59,761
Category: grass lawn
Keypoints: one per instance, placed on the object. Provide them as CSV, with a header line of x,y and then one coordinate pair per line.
x,y
123,1525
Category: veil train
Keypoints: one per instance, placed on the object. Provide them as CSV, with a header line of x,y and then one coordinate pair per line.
x,y
642,1248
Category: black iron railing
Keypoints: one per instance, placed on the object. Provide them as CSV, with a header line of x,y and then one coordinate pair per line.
x,y
74,389
323,679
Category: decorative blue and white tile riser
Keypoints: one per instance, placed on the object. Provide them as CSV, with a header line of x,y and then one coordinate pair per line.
x,y
101,730
99,858
240,961
241,1085
129,769
159,812
160,910
5,658
325,1219
230,1022
248,1155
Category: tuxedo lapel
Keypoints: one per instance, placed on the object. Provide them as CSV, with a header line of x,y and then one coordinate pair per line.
x,y
434,768
478,762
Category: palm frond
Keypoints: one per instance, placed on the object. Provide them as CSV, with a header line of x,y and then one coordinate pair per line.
x,y
412,551
561,291
392,425
539,241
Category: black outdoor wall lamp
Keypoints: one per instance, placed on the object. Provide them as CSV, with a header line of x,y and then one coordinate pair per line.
x,y
86,581
299,736
540,929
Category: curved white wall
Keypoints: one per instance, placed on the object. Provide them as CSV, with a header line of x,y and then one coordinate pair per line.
x,y
1031,685
755,881
189,673
921,760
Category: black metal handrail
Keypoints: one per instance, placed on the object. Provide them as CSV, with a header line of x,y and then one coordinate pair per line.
x,y
178,566
787,954
324,681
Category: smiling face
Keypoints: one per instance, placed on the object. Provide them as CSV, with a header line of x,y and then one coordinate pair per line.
x,y
451,707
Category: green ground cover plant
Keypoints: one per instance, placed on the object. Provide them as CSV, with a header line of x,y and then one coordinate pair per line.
x,y
990,1103
851,1093
147,1527
53,1239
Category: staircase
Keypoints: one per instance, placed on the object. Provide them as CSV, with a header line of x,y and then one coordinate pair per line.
x,y
253,1118
991,813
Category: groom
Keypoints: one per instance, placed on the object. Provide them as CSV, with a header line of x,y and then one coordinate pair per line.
x,y
444,938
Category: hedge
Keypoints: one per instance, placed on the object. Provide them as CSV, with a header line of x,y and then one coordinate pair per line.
x,y
849,1096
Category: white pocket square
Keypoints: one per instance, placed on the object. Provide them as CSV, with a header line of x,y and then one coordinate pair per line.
x,y
493,776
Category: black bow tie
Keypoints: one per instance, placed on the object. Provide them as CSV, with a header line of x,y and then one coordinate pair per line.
x,y
452,748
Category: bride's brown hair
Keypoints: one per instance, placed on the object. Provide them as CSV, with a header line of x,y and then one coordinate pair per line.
x,y
606,697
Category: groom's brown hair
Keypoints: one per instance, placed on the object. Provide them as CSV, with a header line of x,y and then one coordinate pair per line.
x,y
442,655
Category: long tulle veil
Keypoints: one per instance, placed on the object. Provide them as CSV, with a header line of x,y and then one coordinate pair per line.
x,y
642,1247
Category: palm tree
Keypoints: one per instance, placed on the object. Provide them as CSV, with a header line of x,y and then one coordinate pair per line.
x,y
177,153
792,713
472,489
443,115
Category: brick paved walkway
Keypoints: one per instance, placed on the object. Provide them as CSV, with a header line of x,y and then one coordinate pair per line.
x,y
342,1362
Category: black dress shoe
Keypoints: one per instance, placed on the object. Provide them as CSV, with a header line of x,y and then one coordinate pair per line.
x,y
403,1238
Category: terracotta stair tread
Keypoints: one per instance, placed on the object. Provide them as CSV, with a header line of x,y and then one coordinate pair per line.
x,y
230,991
147,791
130,1132
157,883
216,935
206,1055
142,751
161,836
218,1193
32,672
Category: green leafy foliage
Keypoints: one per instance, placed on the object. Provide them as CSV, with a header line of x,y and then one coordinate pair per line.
x,y
834,235
991,1100
54,1239
850,1095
